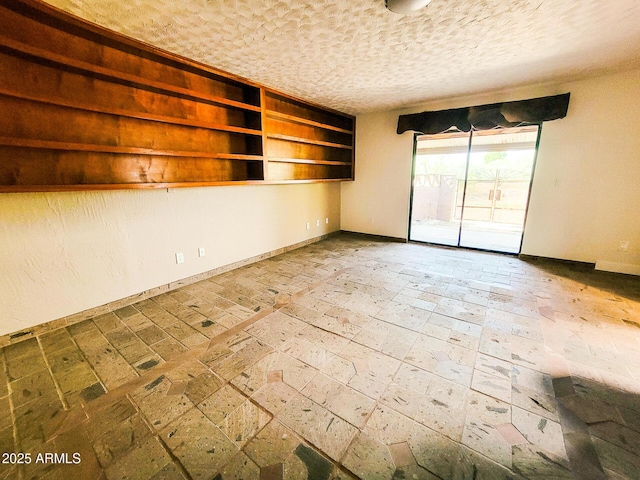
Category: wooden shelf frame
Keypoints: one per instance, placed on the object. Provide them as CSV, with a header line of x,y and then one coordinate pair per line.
x,y
100,116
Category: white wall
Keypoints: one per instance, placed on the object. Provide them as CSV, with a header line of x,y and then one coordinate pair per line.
x,y
586,190
61,253
586,193
378,200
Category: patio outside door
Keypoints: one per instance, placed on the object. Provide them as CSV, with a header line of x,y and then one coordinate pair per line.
x,y
472,189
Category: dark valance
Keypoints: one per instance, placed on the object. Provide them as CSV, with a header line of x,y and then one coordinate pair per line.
x,y
484,117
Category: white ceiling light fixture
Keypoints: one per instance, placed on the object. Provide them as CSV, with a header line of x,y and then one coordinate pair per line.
x,y
406,6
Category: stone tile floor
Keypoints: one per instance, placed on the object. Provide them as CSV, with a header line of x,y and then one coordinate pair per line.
x,y
349,358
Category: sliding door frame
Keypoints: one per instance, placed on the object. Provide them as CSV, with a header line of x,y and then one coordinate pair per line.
x,y
533,172
464,193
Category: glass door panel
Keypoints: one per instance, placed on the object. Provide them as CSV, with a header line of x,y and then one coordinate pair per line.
x,y
472,189
497,188
438,186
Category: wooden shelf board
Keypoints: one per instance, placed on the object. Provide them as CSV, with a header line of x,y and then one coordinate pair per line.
x,y
122,76
289,138
308,161
308,180
80,147
120,186
130,114
151,186
305,121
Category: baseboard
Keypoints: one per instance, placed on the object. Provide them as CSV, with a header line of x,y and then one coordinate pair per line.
x,y
584,266
599,265
372,236
116,304
615,267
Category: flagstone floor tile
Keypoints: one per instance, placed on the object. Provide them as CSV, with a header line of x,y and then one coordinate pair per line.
x,y
350,358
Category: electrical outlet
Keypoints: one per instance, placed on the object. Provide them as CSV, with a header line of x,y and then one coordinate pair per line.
x,y
179,257
308,225
326,220
623,246
318,223
201,252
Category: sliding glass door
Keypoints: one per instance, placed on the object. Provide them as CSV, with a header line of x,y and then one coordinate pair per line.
x,y
439,169
472,189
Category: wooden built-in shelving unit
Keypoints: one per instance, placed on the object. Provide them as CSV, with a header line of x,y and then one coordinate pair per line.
x,y
307,142
82,107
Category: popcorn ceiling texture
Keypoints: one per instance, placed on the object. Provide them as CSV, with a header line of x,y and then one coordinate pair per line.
x,y
357,57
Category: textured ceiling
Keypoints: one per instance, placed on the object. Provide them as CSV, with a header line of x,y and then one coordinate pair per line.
x,y
355,56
